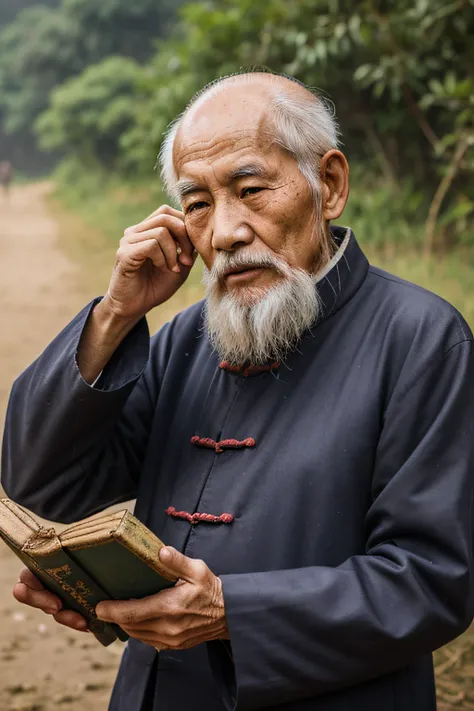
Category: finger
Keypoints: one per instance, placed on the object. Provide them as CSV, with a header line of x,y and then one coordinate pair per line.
x,y
162,625
40,599
167,210
162,641
176,228
172,222
131,257
170,250
189,569
71,619
127,613
169,603
166,243
27,577
159,219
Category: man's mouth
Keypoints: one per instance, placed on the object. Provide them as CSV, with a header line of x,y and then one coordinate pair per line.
x,y
243,273
244,268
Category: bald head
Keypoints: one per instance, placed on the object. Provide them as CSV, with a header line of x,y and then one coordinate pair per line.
x,y
262,85
274,108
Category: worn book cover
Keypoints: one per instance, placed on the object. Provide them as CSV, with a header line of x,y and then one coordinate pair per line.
x,y
112,557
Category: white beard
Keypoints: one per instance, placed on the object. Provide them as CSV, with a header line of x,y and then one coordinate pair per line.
x,y
256,326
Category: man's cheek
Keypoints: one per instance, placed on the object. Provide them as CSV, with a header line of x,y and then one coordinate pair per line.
x,y
200,242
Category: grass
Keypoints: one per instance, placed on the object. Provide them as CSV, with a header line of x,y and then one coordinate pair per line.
x,y
454,670
450,276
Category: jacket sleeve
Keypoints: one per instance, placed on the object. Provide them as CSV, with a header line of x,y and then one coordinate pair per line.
x,y
70,449
300,633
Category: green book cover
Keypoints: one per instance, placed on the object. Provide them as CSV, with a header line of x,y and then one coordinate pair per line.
x,y
100,558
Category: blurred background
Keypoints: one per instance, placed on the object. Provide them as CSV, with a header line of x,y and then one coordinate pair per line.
x,y
86,91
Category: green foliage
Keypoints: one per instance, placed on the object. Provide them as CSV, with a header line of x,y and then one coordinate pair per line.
x,y
89,113
9,9
212,39
106,202
400,73
44,47
36,54
401,76
381,216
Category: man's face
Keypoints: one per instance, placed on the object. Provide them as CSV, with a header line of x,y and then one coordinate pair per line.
x,y
242,196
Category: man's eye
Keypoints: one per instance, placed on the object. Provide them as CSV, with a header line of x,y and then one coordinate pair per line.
x,y
250,191
196,206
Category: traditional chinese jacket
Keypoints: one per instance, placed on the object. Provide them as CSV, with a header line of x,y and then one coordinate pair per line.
x,y
332,493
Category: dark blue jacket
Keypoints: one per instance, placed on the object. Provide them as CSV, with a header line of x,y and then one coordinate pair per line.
x,y
349,556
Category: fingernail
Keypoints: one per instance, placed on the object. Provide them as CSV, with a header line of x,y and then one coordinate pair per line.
x,y
53,610
187,261
176,269
82,625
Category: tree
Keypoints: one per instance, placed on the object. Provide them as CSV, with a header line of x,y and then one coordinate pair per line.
x,y
89,113
400,73
9,9
43,47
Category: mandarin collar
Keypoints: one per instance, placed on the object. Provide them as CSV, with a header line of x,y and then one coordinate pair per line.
x,y
345,277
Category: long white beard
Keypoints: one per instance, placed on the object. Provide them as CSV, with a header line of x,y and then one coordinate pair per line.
x,y
251,325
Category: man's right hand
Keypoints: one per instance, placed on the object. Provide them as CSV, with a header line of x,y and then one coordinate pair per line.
x,y
154,259
30,591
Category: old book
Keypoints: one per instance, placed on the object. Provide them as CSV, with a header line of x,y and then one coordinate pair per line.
x,y
112,557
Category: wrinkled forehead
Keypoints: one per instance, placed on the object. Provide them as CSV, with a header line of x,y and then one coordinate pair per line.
x,y
226,123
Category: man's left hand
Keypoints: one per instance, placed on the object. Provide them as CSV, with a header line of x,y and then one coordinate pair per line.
x,y
188,614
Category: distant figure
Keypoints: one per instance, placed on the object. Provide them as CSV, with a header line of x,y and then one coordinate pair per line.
x,y
6,175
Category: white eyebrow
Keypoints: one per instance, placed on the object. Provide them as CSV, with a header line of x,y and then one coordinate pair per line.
x,y
247,171
186,187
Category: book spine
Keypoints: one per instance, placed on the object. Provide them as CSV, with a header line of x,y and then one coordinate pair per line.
x,y
77,591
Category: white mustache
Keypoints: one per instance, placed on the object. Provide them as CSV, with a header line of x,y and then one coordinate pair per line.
x,y
240,260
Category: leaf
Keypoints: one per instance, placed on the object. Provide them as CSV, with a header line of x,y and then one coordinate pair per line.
x,y
354,28
340,30
363,72
379,89
459,211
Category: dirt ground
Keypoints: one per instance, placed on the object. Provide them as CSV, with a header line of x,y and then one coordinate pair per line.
x,y
44,666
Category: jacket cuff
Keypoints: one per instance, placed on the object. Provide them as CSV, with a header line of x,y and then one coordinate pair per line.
x,y
128,361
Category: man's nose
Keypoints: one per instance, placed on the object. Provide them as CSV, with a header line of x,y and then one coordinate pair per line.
x,y
230,231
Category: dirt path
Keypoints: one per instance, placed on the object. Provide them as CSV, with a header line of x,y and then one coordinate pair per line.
x,y
42,666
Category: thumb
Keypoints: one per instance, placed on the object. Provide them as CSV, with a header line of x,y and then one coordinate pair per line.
x,y
180,565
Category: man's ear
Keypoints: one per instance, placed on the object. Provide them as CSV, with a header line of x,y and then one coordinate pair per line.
x,y
334,172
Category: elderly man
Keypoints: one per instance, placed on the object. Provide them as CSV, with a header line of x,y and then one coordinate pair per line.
x,y
302,440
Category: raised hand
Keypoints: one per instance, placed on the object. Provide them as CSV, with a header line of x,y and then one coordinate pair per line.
x,y
154,259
